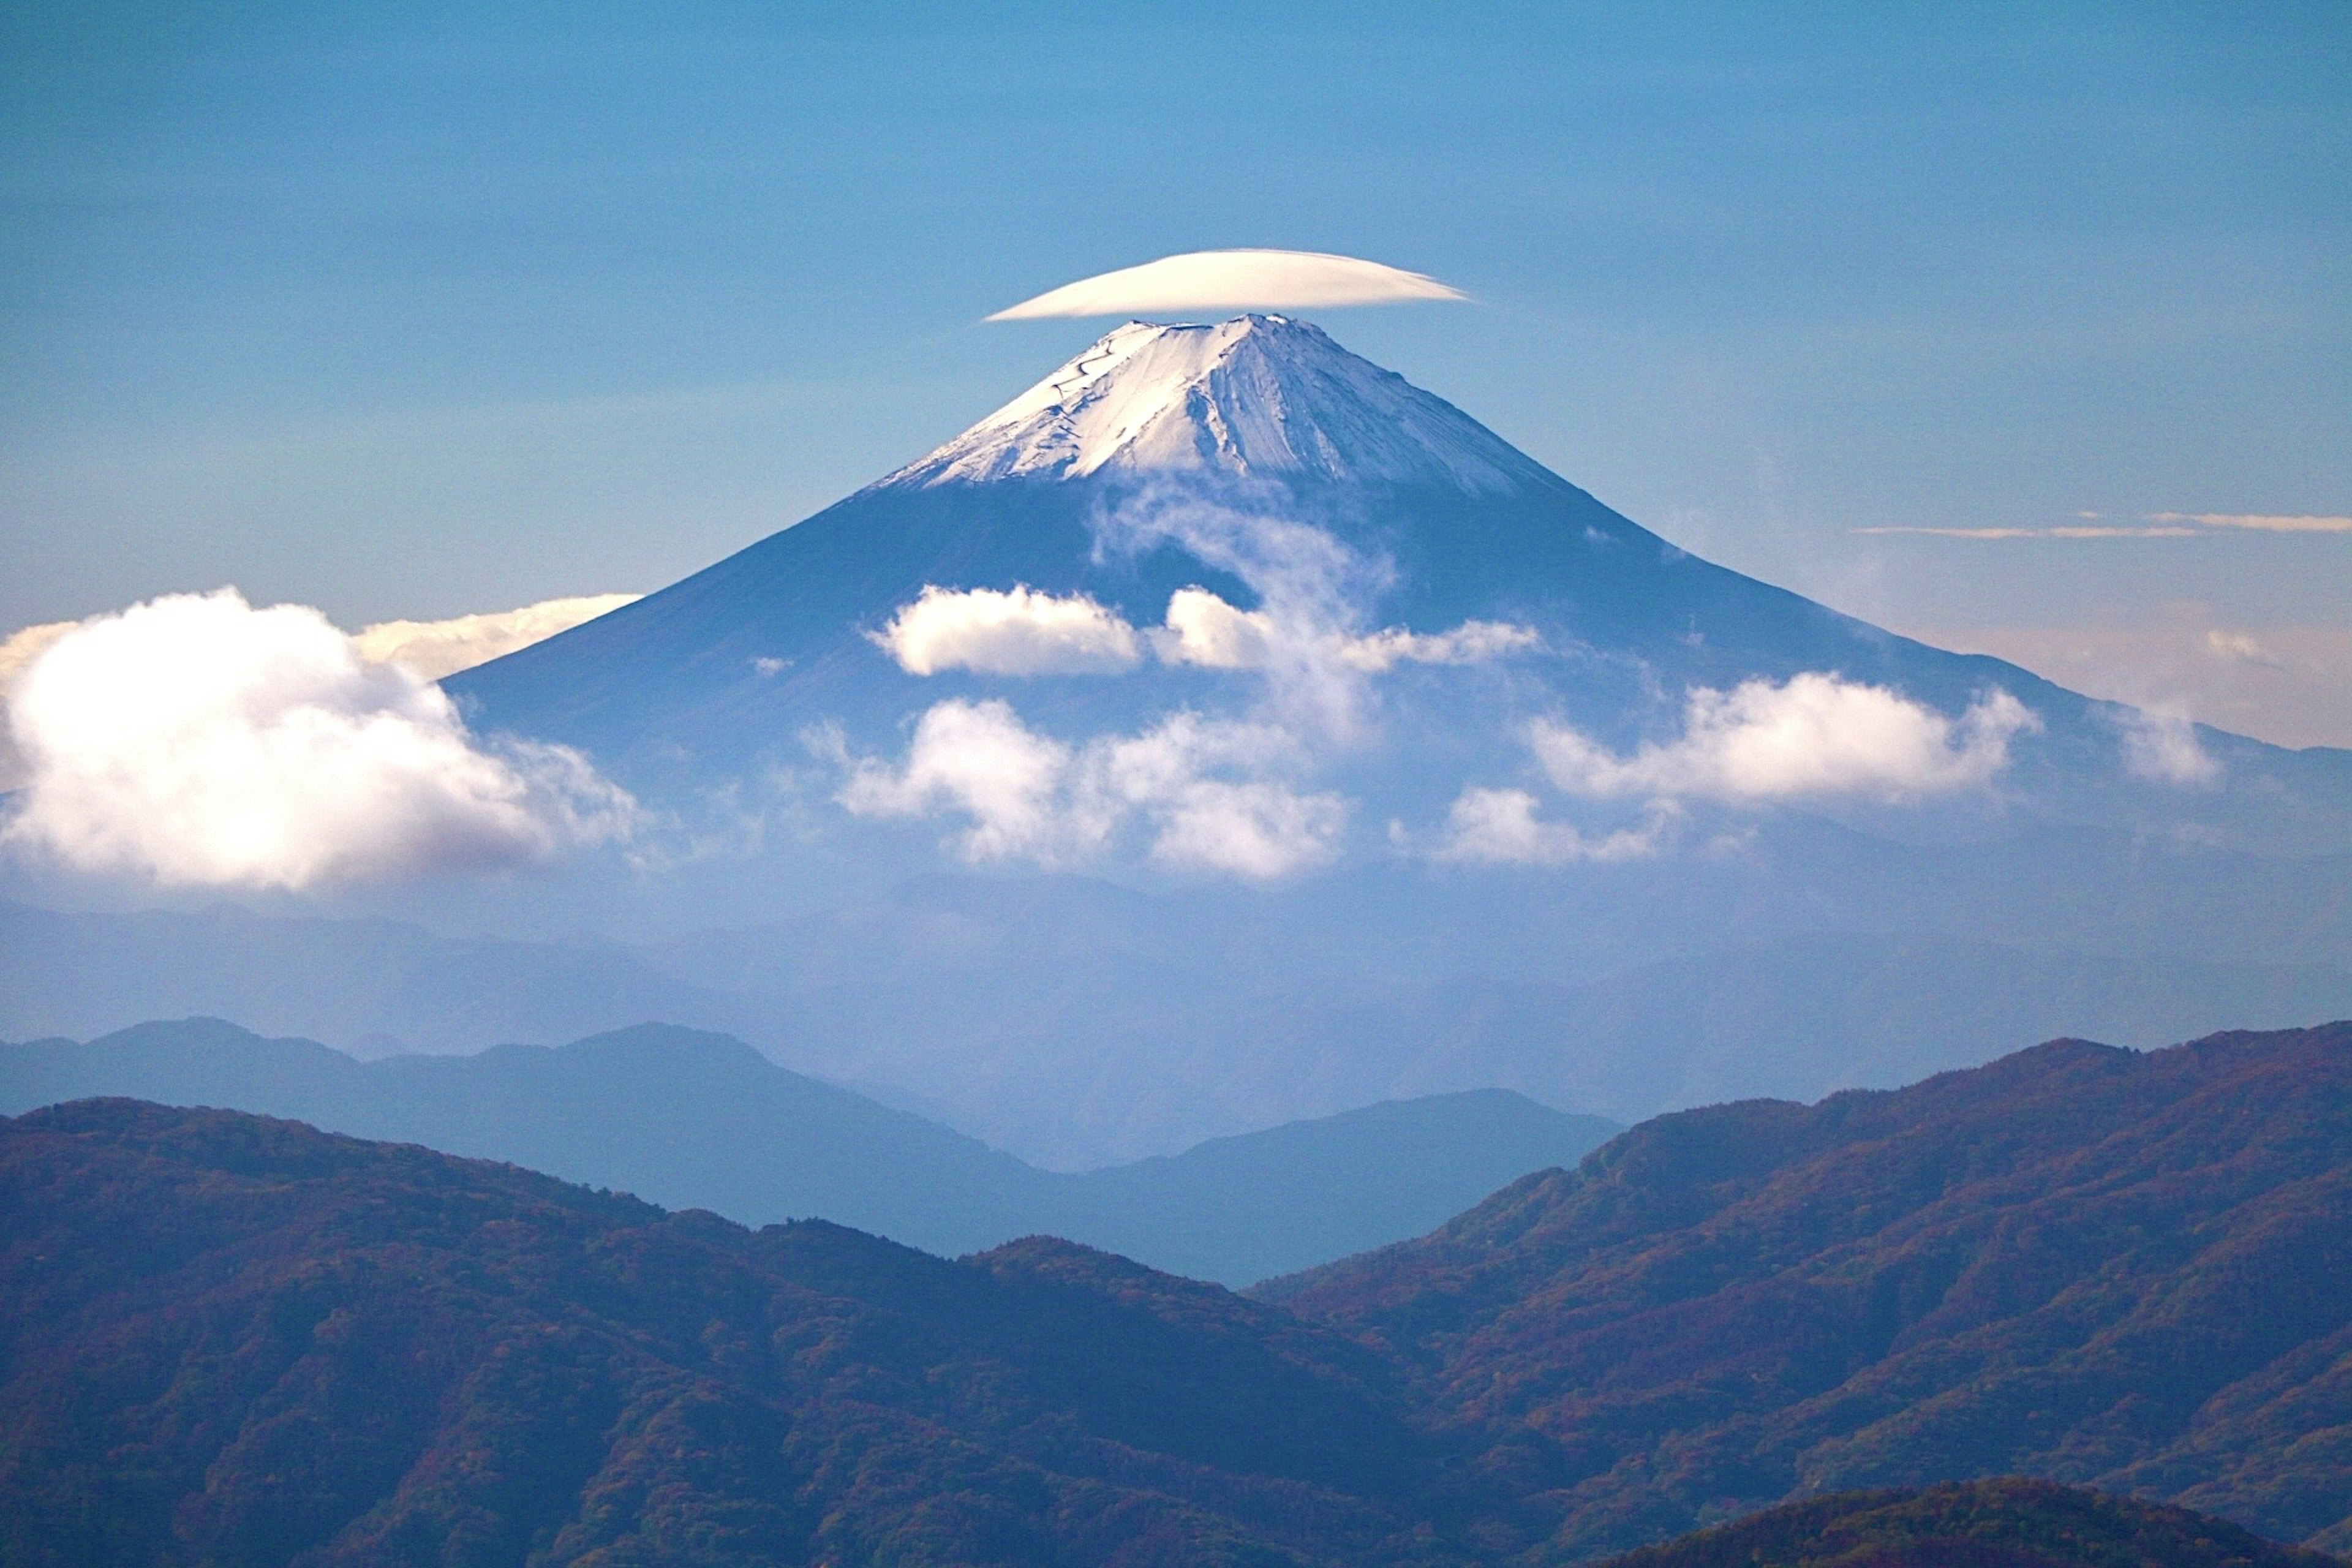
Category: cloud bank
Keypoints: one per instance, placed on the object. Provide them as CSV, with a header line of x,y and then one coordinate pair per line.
x,y
435,649
1233,280
1213,795
196,740
1816,736
1023,632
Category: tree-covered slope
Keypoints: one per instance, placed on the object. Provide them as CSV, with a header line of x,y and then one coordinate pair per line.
x,y
2081,1263
231,1339
2005,1523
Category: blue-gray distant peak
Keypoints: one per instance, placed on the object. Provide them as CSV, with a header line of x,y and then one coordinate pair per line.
x,y
1262,396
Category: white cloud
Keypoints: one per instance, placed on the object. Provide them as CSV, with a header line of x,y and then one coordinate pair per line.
x,y
1202,629
2163,746
2095,531
1210,792
1023,632
980,760
2240,648
1499,827
2260,523
1233,280
1816,735
435,649
197,741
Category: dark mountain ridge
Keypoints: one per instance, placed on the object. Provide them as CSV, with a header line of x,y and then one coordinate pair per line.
x,y
232,1340
235,1340
2087,1264
1973,1525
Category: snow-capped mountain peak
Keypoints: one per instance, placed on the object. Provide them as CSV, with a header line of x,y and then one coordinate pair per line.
x,y
1260,395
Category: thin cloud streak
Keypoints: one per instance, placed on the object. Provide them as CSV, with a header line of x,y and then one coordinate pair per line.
x,y
2258,522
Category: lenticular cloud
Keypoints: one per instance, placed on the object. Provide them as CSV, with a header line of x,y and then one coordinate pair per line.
x,y
1233,280
199,741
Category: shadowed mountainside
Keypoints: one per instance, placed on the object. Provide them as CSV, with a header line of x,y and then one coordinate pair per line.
x,y
235,1340
2081,1263
1974,1524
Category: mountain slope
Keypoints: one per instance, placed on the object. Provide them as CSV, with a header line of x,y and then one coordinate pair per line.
x,y
234,1339
2078,1263
694,1120
1980,1524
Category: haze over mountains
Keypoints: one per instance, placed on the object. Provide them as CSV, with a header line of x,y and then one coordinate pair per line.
x,y
236,1339
1227,732
699,1121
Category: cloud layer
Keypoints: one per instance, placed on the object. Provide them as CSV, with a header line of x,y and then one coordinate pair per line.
x,y
1233,280
435,649
196,740
1213,795
1816,736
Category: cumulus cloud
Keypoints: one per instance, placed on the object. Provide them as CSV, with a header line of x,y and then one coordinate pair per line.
x,y
1023,632
2163,746
1816,735
435,649
196,740
1233,280
1213,795
1500,826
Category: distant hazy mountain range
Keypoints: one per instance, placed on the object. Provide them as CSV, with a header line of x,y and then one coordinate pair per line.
x,y
232,1338
699,1121
1227,731
1075,1023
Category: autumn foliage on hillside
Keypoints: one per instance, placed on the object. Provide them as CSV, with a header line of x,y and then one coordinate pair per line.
x,y
2125,1270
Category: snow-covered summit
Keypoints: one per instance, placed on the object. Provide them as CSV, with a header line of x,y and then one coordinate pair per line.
x,y
1259,395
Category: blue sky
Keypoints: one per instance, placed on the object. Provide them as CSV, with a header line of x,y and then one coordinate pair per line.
x,y
411,312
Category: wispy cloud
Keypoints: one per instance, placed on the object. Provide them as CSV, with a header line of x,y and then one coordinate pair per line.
x,y
2069,530
1502,827
197,741
2258,522
2163,745
1233,280
2155,525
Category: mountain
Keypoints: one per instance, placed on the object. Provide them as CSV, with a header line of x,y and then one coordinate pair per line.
x,y
1096,1025
1227,731
239,1341
691,1119
1258,459
2079,1263
1974,1524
